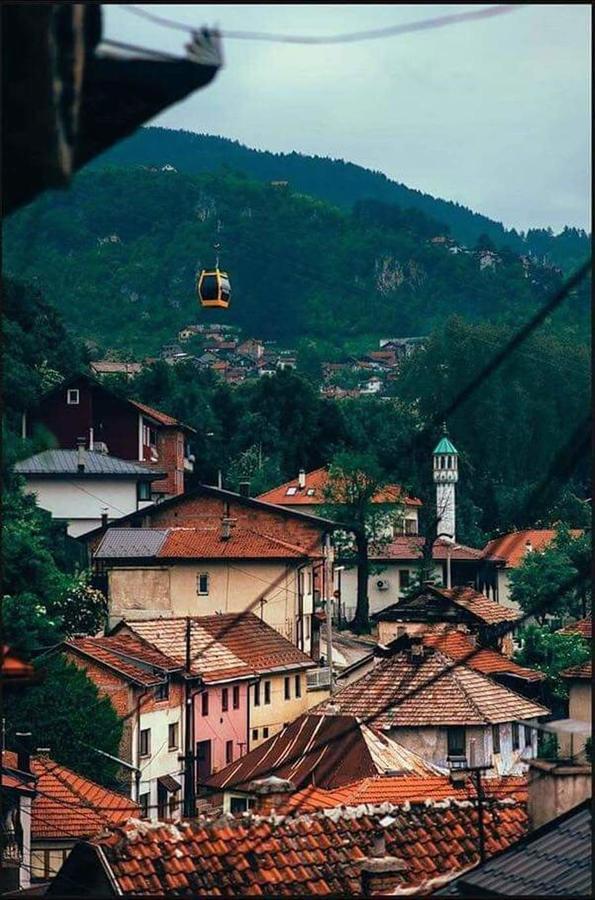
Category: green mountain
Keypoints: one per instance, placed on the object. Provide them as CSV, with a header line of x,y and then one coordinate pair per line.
x,y
341,183
118,253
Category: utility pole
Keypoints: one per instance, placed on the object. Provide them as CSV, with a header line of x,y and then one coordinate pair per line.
x,y
328,584
476,773
189,798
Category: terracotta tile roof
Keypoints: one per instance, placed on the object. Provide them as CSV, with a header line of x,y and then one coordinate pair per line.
x,y
432,691
191,543
98,650
210,659
138,649
401,789
411,547
317,481
303,855
11,774
582,672
15,669
255,642
160,417
456,645
511,548
430,600
328,750
583,627
68,805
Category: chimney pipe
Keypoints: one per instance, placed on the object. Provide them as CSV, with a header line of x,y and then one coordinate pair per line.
x,y
381,874
244,488
226,524
104,517
24,750
81,453
302,479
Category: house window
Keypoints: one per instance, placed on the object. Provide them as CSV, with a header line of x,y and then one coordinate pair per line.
x,y
174,803
204,703
152,437
495,738
287,689
404,578
202,583
228,752
456,741
410,526
224,700
265,732
298,685
255,734
516,741
240,804
162,691
528,736
172,736
236,698
257,694
143,490
267,692
72,397
144,801
145,742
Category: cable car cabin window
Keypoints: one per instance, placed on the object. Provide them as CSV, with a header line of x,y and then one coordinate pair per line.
x,y
209,288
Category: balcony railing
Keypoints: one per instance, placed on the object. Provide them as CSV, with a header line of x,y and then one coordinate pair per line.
x,y
318,679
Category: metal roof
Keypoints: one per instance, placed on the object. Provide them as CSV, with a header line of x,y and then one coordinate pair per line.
x,y
131,542
555,860
445,446
65,462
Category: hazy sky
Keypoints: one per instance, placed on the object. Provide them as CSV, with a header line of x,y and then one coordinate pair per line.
x,y
495,114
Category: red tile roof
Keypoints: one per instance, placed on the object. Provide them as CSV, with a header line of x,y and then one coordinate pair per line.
x,y
581,672
318,481
401,789
98,650
582,627
68,805
202,543
404,692
430,599
259,645
14,669
511,548
158,416
303,855
456,645
481,606
405,547
329,751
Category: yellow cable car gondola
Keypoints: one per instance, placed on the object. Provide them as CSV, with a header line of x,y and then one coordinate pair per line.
x,y
213,287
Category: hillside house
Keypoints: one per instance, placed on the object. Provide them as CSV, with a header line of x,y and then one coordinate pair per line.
x,y
84,488
445,711
503,554
215,551
17,791
104,367
82,408
573,732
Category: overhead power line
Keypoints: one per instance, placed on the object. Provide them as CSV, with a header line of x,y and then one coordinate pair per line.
x,y
349,38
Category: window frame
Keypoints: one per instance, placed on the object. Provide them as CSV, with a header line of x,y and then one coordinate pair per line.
x,y
267,693
224,699
161,692
287,688
73,402
265,731
516,736
176,745
235,697
298,686
404,579
255,734
496,743
204,703
257,694
453,751
228,753
143,486
199,577
147,740
145,806
528,736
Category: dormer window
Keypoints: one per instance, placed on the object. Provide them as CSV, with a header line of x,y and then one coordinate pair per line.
x,y
291,491
72,397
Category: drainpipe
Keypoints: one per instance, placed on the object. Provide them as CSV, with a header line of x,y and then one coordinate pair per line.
x,y
144,693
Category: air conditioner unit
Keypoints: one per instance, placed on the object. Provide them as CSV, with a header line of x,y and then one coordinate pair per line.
x,y
382,584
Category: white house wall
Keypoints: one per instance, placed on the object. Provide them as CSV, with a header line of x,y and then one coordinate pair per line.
x,y
379,599
162,760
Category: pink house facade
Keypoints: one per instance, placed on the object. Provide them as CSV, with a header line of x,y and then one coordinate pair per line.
x,y
220,726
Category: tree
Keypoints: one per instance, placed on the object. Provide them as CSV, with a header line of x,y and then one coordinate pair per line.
x,y
64,713
551,652
554,581
353,498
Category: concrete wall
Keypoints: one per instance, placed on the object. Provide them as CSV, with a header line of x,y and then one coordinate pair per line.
x,y
279,711
139,593
580,701
81,500
554,789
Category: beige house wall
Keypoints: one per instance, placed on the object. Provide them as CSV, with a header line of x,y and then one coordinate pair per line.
x,y
279,712
580,700
554,789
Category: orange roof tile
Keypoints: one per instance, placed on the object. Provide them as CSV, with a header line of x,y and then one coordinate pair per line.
x,y
481,606
402,691
99,650
68,805
317,482
582,627
308,854
192,543
160,417
14,668
455,644
411,547
430,599
580,672
255,642
511,548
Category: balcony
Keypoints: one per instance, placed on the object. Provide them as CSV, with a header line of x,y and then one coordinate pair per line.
x,y
318,679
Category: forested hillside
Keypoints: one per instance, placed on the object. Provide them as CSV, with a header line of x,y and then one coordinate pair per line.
x,y
118,254
338,182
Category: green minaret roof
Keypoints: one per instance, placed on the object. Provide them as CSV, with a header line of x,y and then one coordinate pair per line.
x,y
444,445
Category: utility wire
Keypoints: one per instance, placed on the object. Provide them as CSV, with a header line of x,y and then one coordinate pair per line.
x,y
349,38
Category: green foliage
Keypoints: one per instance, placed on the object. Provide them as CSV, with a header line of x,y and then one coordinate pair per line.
x,y
262,473
551,652
556,580
64,712
589,749
548,746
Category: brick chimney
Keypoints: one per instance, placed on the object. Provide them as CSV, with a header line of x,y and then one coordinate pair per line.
x,y
24,744
381,874
226,524
104,512
271,793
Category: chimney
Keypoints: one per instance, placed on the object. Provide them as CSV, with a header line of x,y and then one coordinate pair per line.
x,y
302,479
528,546
81,453
417,648
271,793
104,517
381,874
244,488
24,750
226,524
